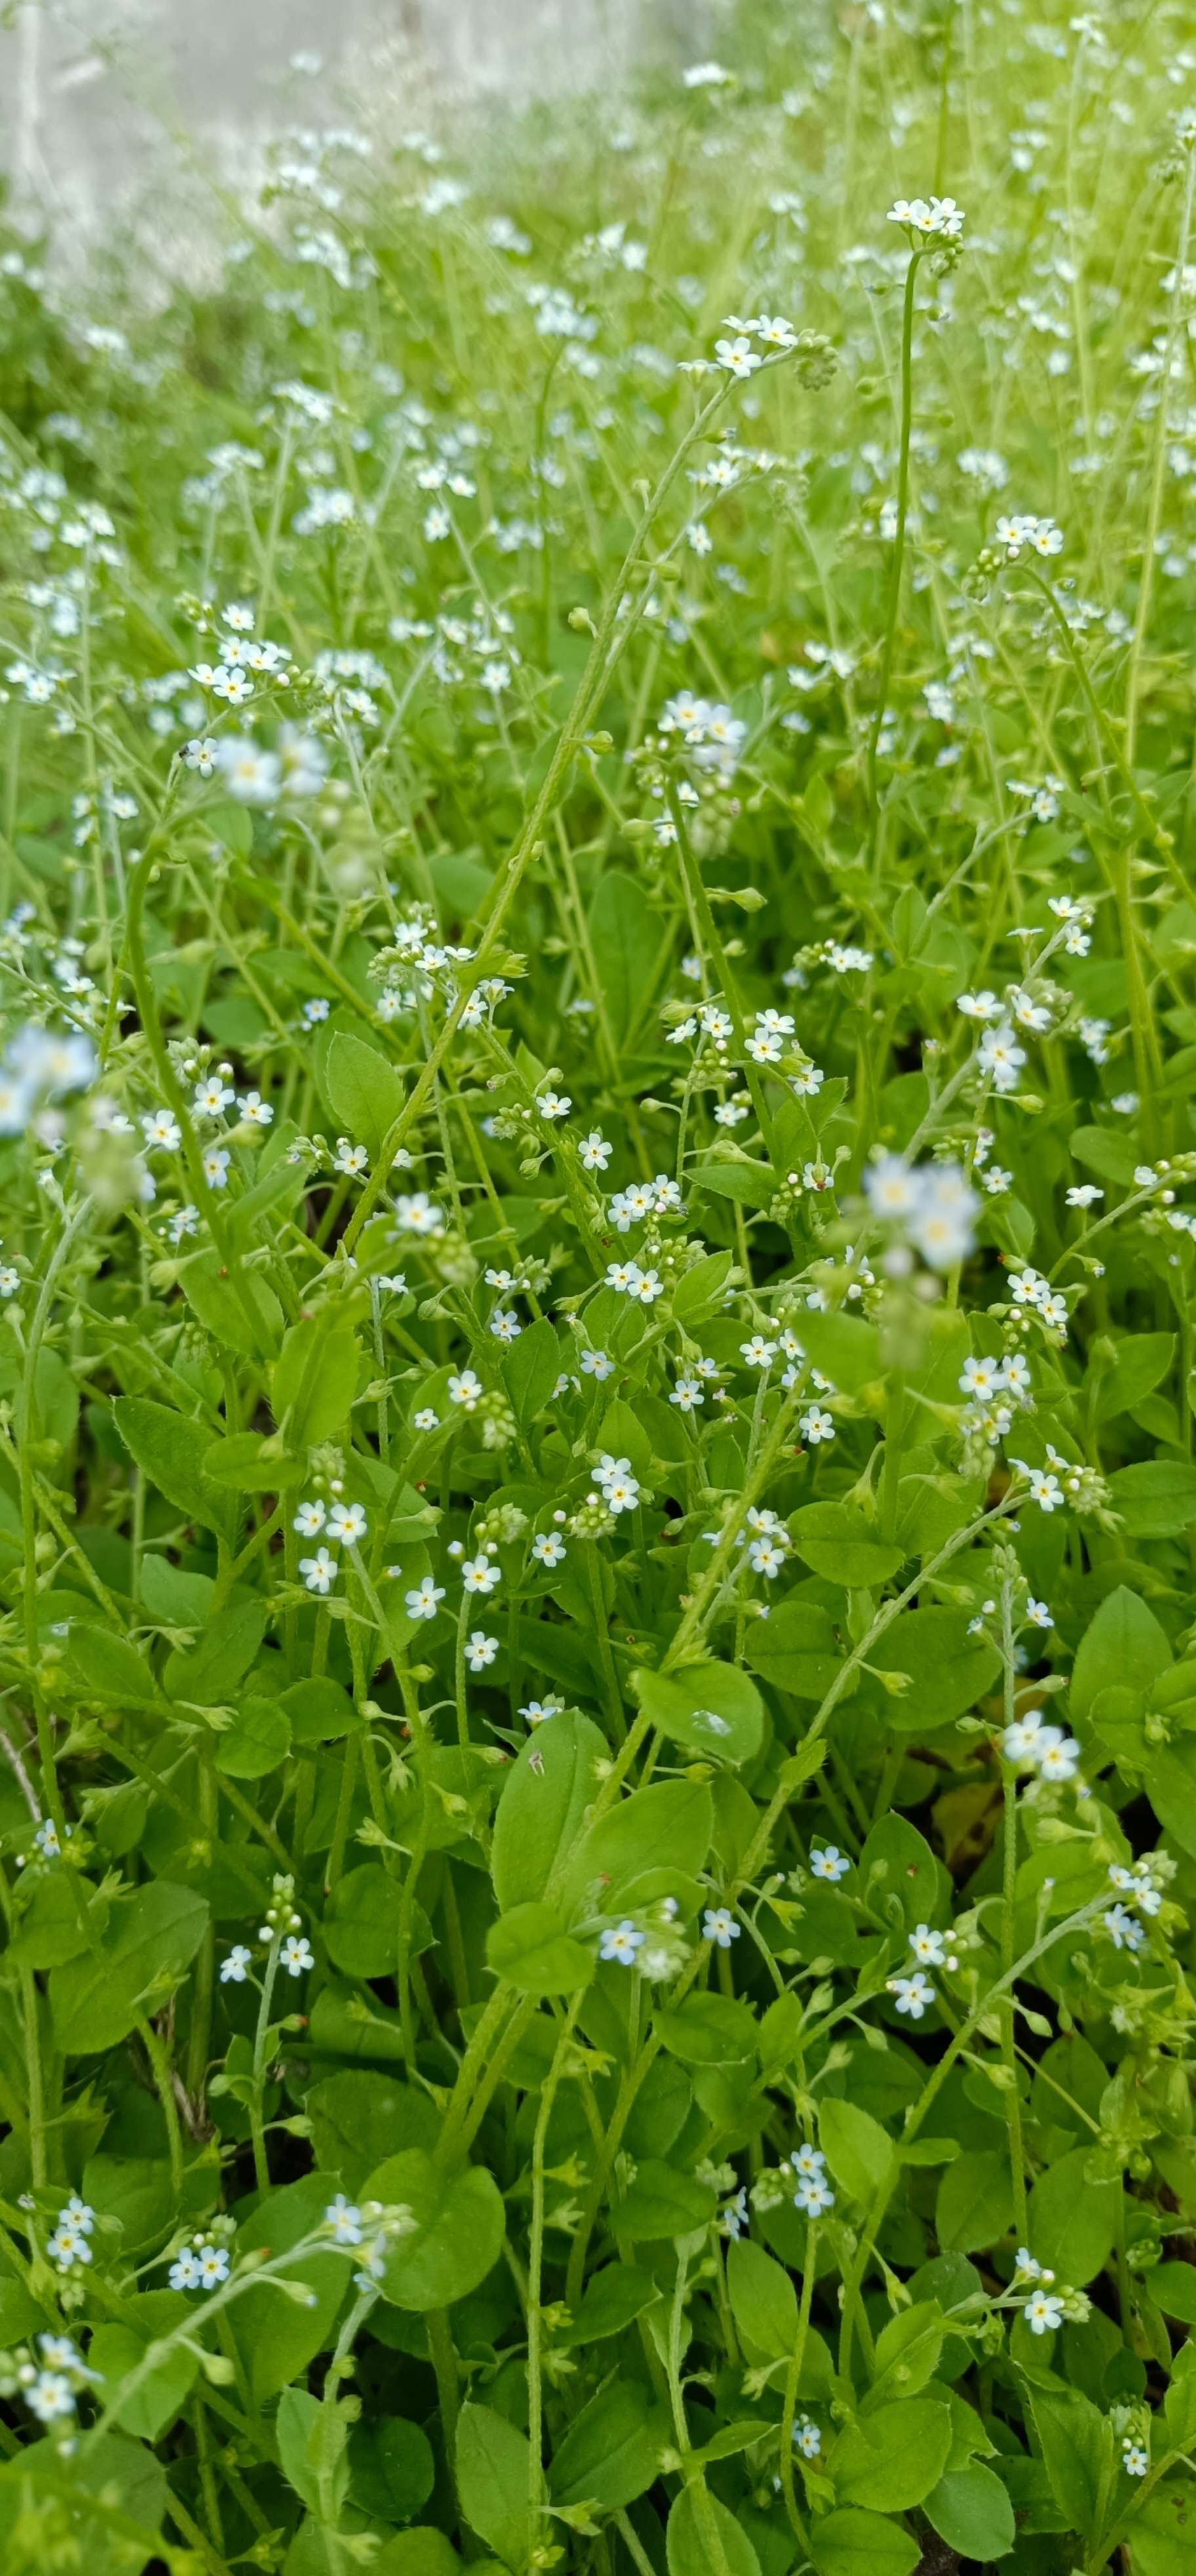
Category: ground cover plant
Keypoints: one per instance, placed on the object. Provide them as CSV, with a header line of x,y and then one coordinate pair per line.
x,y
598,1804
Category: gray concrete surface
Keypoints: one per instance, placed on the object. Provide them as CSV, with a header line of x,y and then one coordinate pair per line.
x,y
119,112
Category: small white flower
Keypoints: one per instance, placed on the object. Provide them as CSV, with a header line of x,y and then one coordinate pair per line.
x,y
480,1651
422,1603
548,1549
346,2222
465,1390
719,1925
813,2195
593,1152
347,1524
621,1942
295,1956
480,1574
758,1352
318,1571
505,1325
929,1947
817,1425
912,1994
1135,2459
236,1966
829,1863
310,1518
1043,2313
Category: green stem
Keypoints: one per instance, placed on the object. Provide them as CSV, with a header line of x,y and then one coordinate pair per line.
x,y
886,665
792,2381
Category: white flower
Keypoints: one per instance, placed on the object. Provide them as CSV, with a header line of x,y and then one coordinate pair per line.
x,y
212,1096
807,2160
737,356
480,1651
318,1571
1135,2459
422,1602
554,1104
347,1524
816,1425
254,1110
1057,1754
345,2221
929,1947
982,1378
480,1574
758,1353
295,1956
829,1863
1043,2313
505,1325
161,1127
310,1518
597,1364
912,1994
548,1549
941,220
719,1925
621,1942
1020,1741
687,1394
813,2195
350,1159
538,1711
215,1167
1123,1930
466,1390
202,754
593,1152
236,1966
418,1214
425,1419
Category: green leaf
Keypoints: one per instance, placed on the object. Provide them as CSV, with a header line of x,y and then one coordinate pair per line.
x,y
392,2468
209,1675
1099,1150
361,1922
971,2511
241,1315
688,2547
530,1370
422,2552
1072,2220
248,1464
314,1379
700,1289
948,1670
1156,1498
975,2201
119,2349
318,1711
173,1450
613,2298
1163,2532
296,2421
907,2354
109,1668
851,2542
1077,2447
844,1347
660,1833
1143,1359
256,1742
624,937
530,1947
543,1802
752,1184
274,2336
897,1861
763,2301
795,1648
622,1435
493,2482
1173,2289
175,1599
1171,1788
151,1938
662,2202
891,2459
359,2117
1124,1643
707,2030
365,1091
837,1542
611,2452
459,2233
712,1707
856,2148
56,1916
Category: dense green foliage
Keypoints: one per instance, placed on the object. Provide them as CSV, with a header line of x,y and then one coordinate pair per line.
x,y
597,1560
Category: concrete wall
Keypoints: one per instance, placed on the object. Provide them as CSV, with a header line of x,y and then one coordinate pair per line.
x,y
122,110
